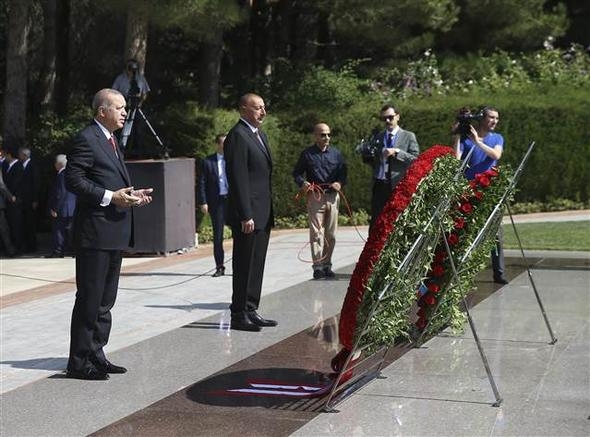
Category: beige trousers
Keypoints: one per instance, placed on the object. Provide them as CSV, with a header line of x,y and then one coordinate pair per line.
x,y
322,210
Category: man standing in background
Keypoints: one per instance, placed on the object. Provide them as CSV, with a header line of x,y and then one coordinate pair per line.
x,y
212,198
321,173
29,201
61,205
396,150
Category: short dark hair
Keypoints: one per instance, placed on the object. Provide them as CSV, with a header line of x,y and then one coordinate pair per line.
x,y
486,109
389,106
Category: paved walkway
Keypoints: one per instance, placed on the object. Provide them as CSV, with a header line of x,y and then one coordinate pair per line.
x,y
439,390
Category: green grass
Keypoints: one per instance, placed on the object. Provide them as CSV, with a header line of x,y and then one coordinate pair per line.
x,y
573,235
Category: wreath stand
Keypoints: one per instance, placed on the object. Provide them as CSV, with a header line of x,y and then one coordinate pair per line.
x,y
357,372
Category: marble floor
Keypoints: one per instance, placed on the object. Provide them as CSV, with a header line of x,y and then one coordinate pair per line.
x,y
187,371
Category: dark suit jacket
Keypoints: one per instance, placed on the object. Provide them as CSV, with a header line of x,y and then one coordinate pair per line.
x,y
30,183
92,168
208,190
5,194
409,151
249,171
60,199
13,178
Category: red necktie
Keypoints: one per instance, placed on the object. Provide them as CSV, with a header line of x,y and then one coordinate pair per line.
x,y
112,141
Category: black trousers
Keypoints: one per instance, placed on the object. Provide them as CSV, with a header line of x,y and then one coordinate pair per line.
x,y
381,193
97,280
217,222
497,255
249,256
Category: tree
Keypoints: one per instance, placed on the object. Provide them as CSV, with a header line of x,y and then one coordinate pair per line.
x,y
15,100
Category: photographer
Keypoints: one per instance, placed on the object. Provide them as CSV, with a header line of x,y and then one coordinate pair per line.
x,y
487,148
131,83
390,153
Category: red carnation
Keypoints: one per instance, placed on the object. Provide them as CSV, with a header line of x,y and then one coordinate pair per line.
x,y
483,181
421,312
437,270
492,172
459,223
433,287
466,208
453,239
478,195
429,299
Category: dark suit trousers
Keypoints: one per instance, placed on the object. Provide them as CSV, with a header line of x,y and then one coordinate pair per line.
x,y
249,255
498,255
5,234
217,222
62,231
97,280
30,228
381,192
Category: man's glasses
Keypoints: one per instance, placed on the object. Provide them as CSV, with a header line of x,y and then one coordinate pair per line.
x,y
323,135
388,117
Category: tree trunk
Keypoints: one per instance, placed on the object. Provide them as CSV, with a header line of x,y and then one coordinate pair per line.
x,y
46,84
136,36
209,69
15,101
62,59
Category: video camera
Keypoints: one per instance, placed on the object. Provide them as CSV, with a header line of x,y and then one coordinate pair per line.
x,y
369,148
134,94
464,118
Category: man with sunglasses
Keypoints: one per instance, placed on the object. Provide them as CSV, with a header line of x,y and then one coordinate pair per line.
x,y
396,149
321,172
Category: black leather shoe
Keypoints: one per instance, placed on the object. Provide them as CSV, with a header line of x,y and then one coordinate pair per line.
x,y
89,374
55,255
257,319
220,271
108,367
241,322
328,273
318,274
500,280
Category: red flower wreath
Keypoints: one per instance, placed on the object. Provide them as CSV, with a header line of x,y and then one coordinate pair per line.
x,y
380,231
438,276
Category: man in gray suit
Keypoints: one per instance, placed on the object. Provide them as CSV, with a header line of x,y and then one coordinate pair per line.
x,y
396,149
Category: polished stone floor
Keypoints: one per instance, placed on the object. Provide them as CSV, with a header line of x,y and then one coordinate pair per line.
x,y
170,330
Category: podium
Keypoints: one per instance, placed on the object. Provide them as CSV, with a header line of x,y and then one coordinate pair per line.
x,y
168,223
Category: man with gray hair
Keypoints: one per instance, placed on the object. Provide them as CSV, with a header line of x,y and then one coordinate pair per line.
x,y
61,205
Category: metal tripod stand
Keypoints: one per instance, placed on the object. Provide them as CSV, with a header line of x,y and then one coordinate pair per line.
x,y
128,126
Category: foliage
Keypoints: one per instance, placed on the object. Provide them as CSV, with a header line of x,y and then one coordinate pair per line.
x,y
440,302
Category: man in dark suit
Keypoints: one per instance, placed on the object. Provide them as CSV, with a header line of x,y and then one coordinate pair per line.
x,y
212,198
103,228
250,212
12,172
396,150
61,207
6,197
29,199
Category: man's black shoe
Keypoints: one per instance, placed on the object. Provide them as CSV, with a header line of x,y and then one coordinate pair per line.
x,y
241,322
500,280
108,367
328,273
318,274
257,319
55,255
220,271
89,374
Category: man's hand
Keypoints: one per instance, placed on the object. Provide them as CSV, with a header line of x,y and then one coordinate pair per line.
x,y
336,186
124,198
52,213
204,208
143,195
248,226
306,186
387,152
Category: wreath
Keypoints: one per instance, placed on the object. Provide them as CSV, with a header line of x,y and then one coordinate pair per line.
x,y
428,179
